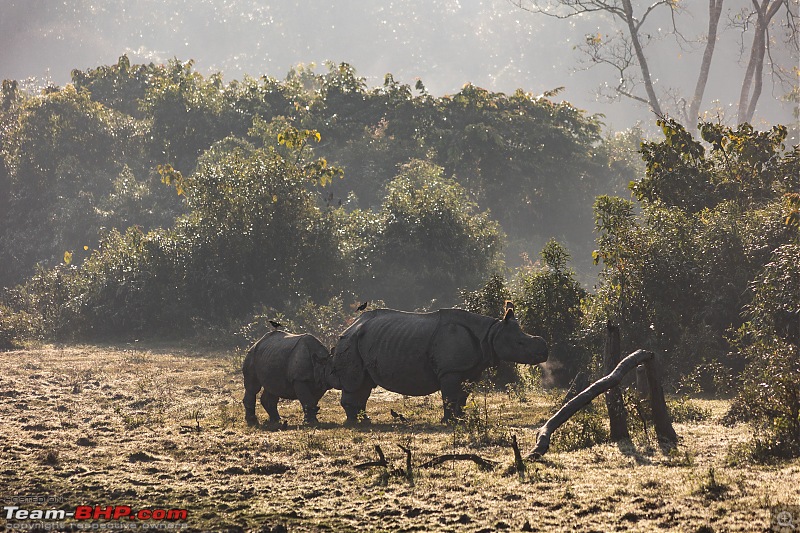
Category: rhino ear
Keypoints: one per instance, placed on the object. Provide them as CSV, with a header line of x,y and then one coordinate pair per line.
x,y
509,314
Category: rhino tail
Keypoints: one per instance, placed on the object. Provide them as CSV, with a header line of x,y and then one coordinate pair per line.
x,y
251,386
248,359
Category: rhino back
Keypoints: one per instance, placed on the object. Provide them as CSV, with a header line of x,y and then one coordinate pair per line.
x,y
277,362
394,347
301,360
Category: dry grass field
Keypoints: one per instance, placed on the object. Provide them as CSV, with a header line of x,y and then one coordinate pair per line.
x,y
162,427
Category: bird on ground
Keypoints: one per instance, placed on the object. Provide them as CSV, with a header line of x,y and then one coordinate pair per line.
x,y
397,415
362,306
276,325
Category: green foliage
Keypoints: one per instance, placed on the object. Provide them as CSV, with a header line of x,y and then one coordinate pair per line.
x,y
96,153
707,266
432,239
742,165
490,300
59,157
683,410
770,385
215,264
17,327
120,87
675,275
548,302
583,430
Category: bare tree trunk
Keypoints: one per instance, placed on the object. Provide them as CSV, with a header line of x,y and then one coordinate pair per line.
x,y
753,76
714,12
749,74
640,57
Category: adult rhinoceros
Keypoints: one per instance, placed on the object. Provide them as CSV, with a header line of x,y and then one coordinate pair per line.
x,y
417,354
286,366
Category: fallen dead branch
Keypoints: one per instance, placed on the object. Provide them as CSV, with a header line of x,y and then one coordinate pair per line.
x,y
579,401
409,474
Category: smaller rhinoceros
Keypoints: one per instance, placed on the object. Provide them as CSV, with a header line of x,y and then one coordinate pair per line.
x,y
285,366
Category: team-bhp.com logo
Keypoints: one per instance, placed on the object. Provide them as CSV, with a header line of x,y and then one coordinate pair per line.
x,y
96,512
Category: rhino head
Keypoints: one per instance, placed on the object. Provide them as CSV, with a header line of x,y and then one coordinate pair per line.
x,y
512,344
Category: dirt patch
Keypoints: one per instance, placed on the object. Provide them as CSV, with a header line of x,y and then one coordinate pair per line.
x,y
164,428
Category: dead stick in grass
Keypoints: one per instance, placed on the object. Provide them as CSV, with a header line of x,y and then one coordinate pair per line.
x,y
484,464
579,401
380,462
519,464
409,473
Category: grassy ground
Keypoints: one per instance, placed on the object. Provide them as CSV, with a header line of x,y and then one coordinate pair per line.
x,y
163,428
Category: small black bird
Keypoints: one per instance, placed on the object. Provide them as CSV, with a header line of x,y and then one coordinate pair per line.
x,y
397,415
362,306
275,325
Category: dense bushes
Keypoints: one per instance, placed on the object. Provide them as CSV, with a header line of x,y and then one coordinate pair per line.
x,y
676,275
74,159
253,236
769,395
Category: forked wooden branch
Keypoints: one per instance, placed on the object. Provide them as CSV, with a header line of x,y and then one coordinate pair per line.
x,y
380,462
579,401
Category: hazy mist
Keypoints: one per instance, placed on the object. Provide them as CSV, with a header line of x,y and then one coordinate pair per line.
x,y
446,44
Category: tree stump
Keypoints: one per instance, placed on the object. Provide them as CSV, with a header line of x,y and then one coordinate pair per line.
x,y
617,415
661,419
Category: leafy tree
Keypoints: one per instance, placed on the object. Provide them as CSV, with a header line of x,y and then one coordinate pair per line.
x,y
549,300
58,158
253,235
121,86
186,114
770,386
432,240
675,276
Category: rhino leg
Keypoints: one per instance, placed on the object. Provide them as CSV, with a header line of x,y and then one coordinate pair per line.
x,y
309,398
251,388
270,403
454,397
355,403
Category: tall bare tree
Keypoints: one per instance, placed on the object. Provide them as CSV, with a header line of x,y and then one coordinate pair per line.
x,y
625,49
763,13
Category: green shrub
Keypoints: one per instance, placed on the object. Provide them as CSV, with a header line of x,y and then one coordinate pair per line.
x,y
583,430
17,327
769,396
548,303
